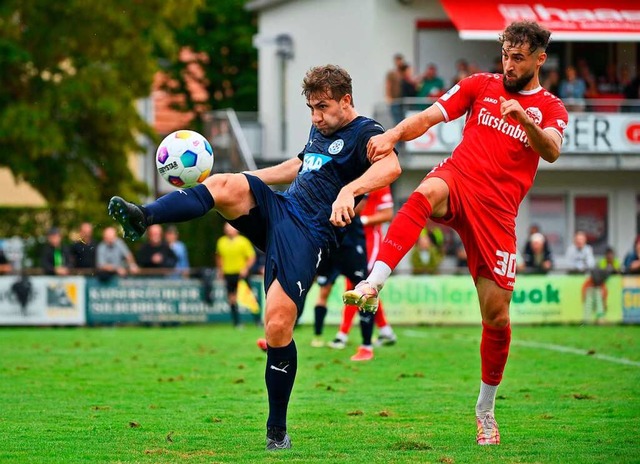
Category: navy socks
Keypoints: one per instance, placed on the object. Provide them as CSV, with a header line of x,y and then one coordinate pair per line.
x,y
280,373
366,327
179,206
320,314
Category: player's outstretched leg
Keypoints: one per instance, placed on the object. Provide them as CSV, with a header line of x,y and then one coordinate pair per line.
x,y
178,206
403,233
130,217
364,296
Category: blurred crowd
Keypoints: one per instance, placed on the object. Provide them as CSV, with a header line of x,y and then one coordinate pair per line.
x,y
163,253
576,85
82,253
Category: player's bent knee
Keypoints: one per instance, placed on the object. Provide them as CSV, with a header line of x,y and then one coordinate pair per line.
x,y
226,189
498,319
278,331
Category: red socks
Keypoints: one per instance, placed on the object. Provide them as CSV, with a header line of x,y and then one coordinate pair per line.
x,y
405,229
494,350
348,313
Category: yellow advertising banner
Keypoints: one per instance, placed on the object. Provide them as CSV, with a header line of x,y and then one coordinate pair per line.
x,y
453,300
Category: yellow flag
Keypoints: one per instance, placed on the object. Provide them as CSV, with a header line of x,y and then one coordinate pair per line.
x,y
246,298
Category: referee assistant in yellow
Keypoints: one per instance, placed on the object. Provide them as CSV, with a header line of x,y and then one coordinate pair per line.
x,y
234,257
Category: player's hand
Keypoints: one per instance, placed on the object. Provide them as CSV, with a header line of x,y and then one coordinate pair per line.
x,y
342,209
380,146
513,109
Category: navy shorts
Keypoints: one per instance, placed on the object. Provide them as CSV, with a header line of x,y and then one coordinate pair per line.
x,y
291,255
349,260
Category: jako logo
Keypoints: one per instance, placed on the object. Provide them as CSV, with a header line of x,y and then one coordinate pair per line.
x,y
537,295
633,132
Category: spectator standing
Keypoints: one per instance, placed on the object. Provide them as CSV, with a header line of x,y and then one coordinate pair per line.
x,y
426,255
631,91
609,82
462,71
235,256
171,236
572,90
55,258
113,257
497,66
632,260
551,81
584,72
610,263
537,255
83,250
431,84
579,254
155,253
393,88
5,265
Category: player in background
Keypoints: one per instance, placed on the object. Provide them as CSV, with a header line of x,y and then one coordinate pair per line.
x,y
350,260
511,123
235,257
295,228
377,209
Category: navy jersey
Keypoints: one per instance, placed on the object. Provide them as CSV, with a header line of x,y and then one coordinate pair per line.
x,y
328,164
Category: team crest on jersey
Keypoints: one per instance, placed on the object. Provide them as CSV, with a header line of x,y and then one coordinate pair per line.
x,y
314,161
535,114
562,124
336,147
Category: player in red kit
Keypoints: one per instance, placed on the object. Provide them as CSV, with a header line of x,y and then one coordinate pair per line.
x,y
377,209
511,122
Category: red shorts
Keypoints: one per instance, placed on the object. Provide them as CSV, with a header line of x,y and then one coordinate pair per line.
x,y
488,236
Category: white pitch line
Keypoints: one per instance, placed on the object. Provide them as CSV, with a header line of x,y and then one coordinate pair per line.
x,y
538,345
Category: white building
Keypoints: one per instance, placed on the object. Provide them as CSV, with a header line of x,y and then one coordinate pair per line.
x,y
595,186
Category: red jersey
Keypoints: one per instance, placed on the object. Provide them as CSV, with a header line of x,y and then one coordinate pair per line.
x,y
494,155
376,201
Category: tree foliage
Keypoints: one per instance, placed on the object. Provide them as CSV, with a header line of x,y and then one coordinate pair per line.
x,y
71,74
222,39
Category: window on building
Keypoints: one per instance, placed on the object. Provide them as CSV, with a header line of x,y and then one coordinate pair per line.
x,y
549,213
591,216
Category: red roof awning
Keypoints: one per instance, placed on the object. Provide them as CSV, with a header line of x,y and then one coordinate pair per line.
x,y
575,20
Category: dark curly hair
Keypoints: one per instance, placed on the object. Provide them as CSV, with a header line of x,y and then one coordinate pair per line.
x,y
526,32
329,80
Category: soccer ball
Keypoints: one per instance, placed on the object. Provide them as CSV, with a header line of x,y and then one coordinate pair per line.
x,y
184,158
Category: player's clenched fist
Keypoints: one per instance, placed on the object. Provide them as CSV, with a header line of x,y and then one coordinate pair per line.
x,y
379,146
512,109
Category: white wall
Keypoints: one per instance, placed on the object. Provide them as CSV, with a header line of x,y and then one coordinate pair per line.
x,y
360,35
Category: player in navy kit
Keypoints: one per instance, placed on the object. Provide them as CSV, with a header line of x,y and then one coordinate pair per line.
x,y
295,228
350,260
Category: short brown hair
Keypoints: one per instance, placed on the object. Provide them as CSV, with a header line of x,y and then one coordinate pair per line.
x,y
329,80
526,32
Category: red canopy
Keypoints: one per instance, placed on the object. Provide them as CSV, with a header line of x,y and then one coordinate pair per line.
x,y
575,20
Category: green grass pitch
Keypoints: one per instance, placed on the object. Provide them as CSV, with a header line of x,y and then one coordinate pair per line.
x,y
196,394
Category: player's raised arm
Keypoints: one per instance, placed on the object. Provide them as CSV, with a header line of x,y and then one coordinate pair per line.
x,y
410,128
378,175
282,173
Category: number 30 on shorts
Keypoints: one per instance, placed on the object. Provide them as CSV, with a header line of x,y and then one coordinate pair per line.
x,y
506,264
